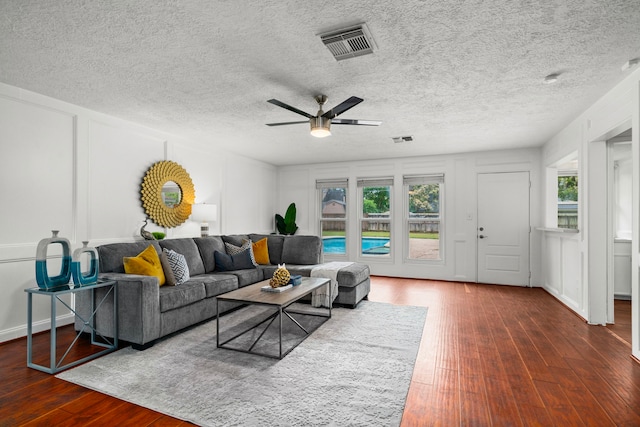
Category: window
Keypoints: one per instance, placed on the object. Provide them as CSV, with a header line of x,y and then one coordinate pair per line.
x,y
568,199
375,216
333,215
423,194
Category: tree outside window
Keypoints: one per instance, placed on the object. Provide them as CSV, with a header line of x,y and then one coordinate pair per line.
x,y
375,216
567,201
423,195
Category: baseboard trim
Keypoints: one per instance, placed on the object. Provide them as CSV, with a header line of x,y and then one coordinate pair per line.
x,y
38,326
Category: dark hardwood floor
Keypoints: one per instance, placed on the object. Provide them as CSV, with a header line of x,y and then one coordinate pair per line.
x,y
490,355
622,315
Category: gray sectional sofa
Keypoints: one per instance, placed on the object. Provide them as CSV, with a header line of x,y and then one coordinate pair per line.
x,y
147,312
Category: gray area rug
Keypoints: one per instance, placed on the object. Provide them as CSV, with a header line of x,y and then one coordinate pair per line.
x,y
354,370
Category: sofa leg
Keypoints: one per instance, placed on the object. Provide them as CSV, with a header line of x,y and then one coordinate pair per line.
x,y
142,347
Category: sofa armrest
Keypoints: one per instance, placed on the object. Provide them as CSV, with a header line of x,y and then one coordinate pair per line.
x,y
138,308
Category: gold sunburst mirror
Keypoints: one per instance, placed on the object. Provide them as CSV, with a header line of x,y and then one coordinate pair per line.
x,y
167,194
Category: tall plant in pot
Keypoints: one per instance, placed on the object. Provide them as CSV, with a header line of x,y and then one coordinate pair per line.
x,y
287,225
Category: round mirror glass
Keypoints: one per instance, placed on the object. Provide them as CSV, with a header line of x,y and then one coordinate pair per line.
x,y
171,194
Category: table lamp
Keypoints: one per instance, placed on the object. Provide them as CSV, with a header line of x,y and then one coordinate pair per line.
x,y
204,212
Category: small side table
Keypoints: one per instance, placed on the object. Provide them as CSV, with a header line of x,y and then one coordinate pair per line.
x,y
56,365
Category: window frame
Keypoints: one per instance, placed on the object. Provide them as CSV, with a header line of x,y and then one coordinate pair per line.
x,y
424,179
322,184
375,182
565,173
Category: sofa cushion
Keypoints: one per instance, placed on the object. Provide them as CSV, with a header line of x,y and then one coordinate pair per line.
x,y
235,239
274,244
239,261
302,270
187,247
267,270
172,297
146,263
248,277
353,275
302,250
178,265
207,246
217,283
111,255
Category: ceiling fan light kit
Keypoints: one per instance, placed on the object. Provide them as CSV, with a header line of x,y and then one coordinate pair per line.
x,y
320,127
321,123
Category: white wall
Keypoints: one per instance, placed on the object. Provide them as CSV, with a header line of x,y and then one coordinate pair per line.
x,y
587,254
78,171
297,184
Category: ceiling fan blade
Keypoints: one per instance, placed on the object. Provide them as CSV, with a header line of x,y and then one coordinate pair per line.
x,y
286,123
341,108
289,107
356,122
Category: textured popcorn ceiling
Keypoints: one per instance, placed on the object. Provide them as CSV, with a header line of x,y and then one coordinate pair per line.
x,y
456,75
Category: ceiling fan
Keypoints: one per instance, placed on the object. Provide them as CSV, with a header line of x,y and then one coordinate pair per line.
x,y
321,122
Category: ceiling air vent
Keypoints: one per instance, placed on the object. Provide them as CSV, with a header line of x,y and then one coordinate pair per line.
x,y
399,139
349,42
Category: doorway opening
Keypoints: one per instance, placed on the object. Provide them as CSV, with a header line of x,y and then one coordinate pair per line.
x,y
620,183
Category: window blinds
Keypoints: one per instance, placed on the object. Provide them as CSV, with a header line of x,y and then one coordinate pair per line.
x,y
423,179
332,183
375,182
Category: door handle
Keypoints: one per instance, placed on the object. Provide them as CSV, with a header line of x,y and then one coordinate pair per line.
x,y
482,236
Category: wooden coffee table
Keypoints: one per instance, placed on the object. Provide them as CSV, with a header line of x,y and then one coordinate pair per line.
x,y
253,294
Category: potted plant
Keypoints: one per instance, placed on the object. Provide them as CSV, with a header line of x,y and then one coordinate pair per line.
x,y
287,225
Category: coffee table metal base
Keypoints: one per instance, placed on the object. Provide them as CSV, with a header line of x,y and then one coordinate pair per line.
x,y
278,314
253,295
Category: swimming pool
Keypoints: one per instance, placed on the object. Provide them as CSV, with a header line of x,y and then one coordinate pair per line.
x,y
370,245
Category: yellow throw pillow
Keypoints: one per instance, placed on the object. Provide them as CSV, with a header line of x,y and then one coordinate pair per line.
x,y
147,263
261,252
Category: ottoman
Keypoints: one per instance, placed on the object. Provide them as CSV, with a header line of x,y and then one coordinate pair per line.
x,y
353,284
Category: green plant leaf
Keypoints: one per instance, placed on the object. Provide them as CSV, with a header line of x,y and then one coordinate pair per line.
x,y
290,216
287,225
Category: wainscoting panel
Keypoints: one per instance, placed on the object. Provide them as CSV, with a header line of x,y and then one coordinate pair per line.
x,y
16,277
563,269
119,159
37,158
37,169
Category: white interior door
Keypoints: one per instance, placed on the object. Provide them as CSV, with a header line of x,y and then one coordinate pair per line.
x,y
503,228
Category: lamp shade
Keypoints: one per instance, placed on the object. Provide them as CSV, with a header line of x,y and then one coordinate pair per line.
x,y
204,212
